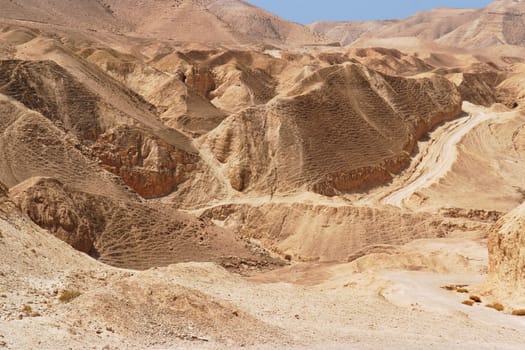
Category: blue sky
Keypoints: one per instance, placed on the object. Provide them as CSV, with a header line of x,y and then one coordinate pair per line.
x,y
306,11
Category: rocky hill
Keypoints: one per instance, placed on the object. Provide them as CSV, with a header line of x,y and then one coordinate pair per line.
x,y
187,21
499,23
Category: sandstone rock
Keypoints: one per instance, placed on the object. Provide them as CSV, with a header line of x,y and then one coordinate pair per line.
x,y
340,129
201,80
50,205
507,252
146,163
127,234
3,190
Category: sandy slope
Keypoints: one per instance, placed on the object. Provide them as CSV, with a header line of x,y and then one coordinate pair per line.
x,y
439,157
247,141
364,304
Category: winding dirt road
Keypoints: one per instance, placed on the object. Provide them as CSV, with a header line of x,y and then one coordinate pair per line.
x,y
434,160
438,159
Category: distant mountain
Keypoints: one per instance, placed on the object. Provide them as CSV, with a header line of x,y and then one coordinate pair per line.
x,y
500,23
348,32
196,21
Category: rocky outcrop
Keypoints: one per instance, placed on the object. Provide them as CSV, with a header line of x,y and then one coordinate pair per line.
x,y
507,253
128,234
46,87
480,88
340,129
146,163
53,207
3,190
201,80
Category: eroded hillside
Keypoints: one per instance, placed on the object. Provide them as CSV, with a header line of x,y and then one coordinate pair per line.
x,y
166,172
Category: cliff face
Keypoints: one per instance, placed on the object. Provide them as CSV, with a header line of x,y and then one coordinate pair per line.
x,y
148,164
507,252
47,202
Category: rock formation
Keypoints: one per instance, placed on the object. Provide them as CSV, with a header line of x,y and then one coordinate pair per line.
x,y
146,163
126,234
340,129
507,253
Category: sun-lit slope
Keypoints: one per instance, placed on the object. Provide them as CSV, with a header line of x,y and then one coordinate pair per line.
x,y
223,22
318,232
211,21
347,32
487,172
500,23
36,268
430,25
127,234
86,14
340,129
32,145
150,158
259,24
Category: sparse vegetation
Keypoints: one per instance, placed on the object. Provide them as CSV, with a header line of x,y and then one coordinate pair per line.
x,y
521,192
67,296
518,312
475,298
456,288
449,287
27,309
468,302
496,306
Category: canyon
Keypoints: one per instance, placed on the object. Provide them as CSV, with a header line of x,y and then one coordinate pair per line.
x,y
205,174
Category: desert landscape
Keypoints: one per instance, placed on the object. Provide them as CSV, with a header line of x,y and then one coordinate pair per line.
x,y
204,174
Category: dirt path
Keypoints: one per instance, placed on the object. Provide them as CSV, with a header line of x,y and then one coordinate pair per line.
x,y
435,158
438,158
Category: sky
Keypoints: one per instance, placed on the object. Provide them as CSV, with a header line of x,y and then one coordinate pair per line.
x,y
306,11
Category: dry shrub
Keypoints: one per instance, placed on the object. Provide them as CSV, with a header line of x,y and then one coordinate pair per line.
x,y
68,295
468,302
518,312
27,309
496,306
449,287
475,298
455,287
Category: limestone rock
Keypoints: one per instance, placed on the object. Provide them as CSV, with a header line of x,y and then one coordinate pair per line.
x,y
51,206
146,163
507,252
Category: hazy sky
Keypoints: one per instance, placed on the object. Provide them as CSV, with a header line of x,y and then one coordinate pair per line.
x,y
306,11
